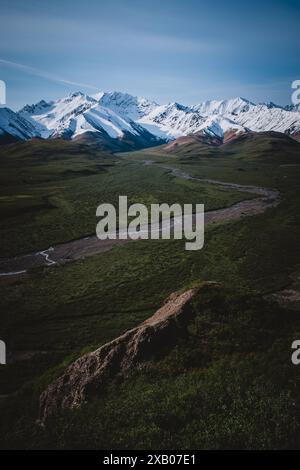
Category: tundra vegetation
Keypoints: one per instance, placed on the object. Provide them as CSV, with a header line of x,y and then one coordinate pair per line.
x,y
229,382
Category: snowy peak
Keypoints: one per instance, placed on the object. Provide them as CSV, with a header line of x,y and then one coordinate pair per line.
x,y
172,120
61,106
128,106
76,99
55,118
255,117
224,107
261,117
37,108
98,118
175,120
67,116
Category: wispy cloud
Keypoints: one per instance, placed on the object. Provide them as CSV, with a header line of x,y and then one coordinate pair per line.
x,y
43,74
97,35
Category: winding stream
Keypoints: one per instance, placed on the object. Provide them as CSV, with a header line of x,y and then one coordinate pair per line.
x,y
91,245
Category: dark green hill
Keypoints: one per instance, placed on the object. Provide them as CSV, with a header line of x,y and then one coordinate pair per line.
x,y
248,145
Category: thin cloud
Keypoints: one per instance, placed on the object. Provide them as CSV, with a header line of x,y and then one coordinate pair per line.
x,y
43,74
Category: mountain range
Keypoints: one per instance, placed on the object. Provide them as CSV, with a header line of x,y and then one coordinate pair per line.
x,y
119,121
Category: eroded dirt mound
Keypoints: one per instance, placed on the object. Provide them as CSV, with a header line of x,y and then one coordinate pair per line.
x,y
85,377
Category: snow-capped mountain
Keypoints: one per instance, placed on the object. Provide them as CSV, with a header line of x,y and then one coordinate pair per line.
x,y
255,117
13,125
233,106
172,120
58,118
264,118
122,121
219,126
175,120
79,114
127,106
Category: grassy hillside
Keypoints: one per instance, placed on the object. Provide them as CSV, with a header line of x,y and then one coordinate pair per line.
x,y
50,191
228,384
266,158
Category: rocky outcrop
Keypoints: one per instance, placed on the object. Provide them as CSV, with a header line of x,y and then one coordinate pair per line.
x,y
86,376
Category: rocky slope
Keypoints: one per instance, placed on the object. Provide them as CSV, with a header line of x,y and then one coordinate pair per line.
x,y
86,376
14,127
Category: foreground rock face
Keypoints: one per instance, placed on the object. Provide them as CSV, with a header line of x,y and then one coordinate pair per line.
x,y
85,377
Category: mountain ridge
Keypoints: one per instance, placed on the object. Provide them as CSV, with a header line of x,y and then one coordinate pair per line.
x,y
121,121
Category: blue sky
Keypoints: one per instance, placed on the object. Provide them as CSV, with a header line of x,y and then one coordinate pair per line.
x,y
179,50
